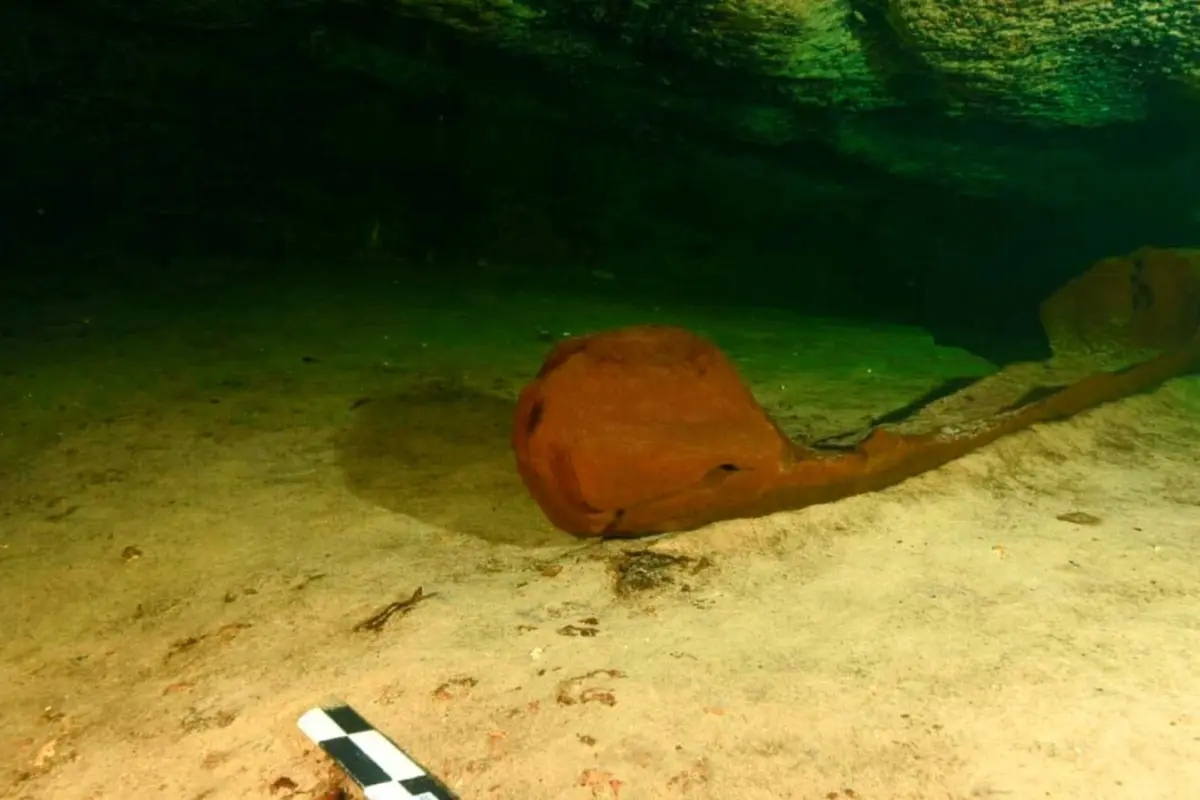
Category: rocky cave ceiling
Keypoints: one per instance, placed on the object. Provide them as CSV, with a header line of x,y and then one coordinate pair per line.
x,y
1085,103
987,96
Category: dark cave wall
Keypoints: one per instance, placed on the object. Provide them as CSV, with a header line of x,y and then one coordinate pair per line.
x,y
167,141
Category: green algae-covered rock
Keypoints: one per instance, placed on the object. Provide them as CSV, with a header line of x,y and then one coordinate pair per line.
x,y
1065,103
974,94
1053,63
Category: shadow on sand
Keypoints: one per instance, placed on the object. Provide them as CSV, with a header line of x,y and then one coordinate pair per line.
x,y
441,454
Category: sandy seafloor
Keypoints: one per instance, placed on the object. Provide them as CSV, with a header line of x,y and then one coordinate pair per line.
x,y
203,493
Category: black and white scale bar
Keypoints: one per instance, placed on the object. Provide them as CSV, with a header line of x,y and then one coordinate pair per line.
x,y
373,761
